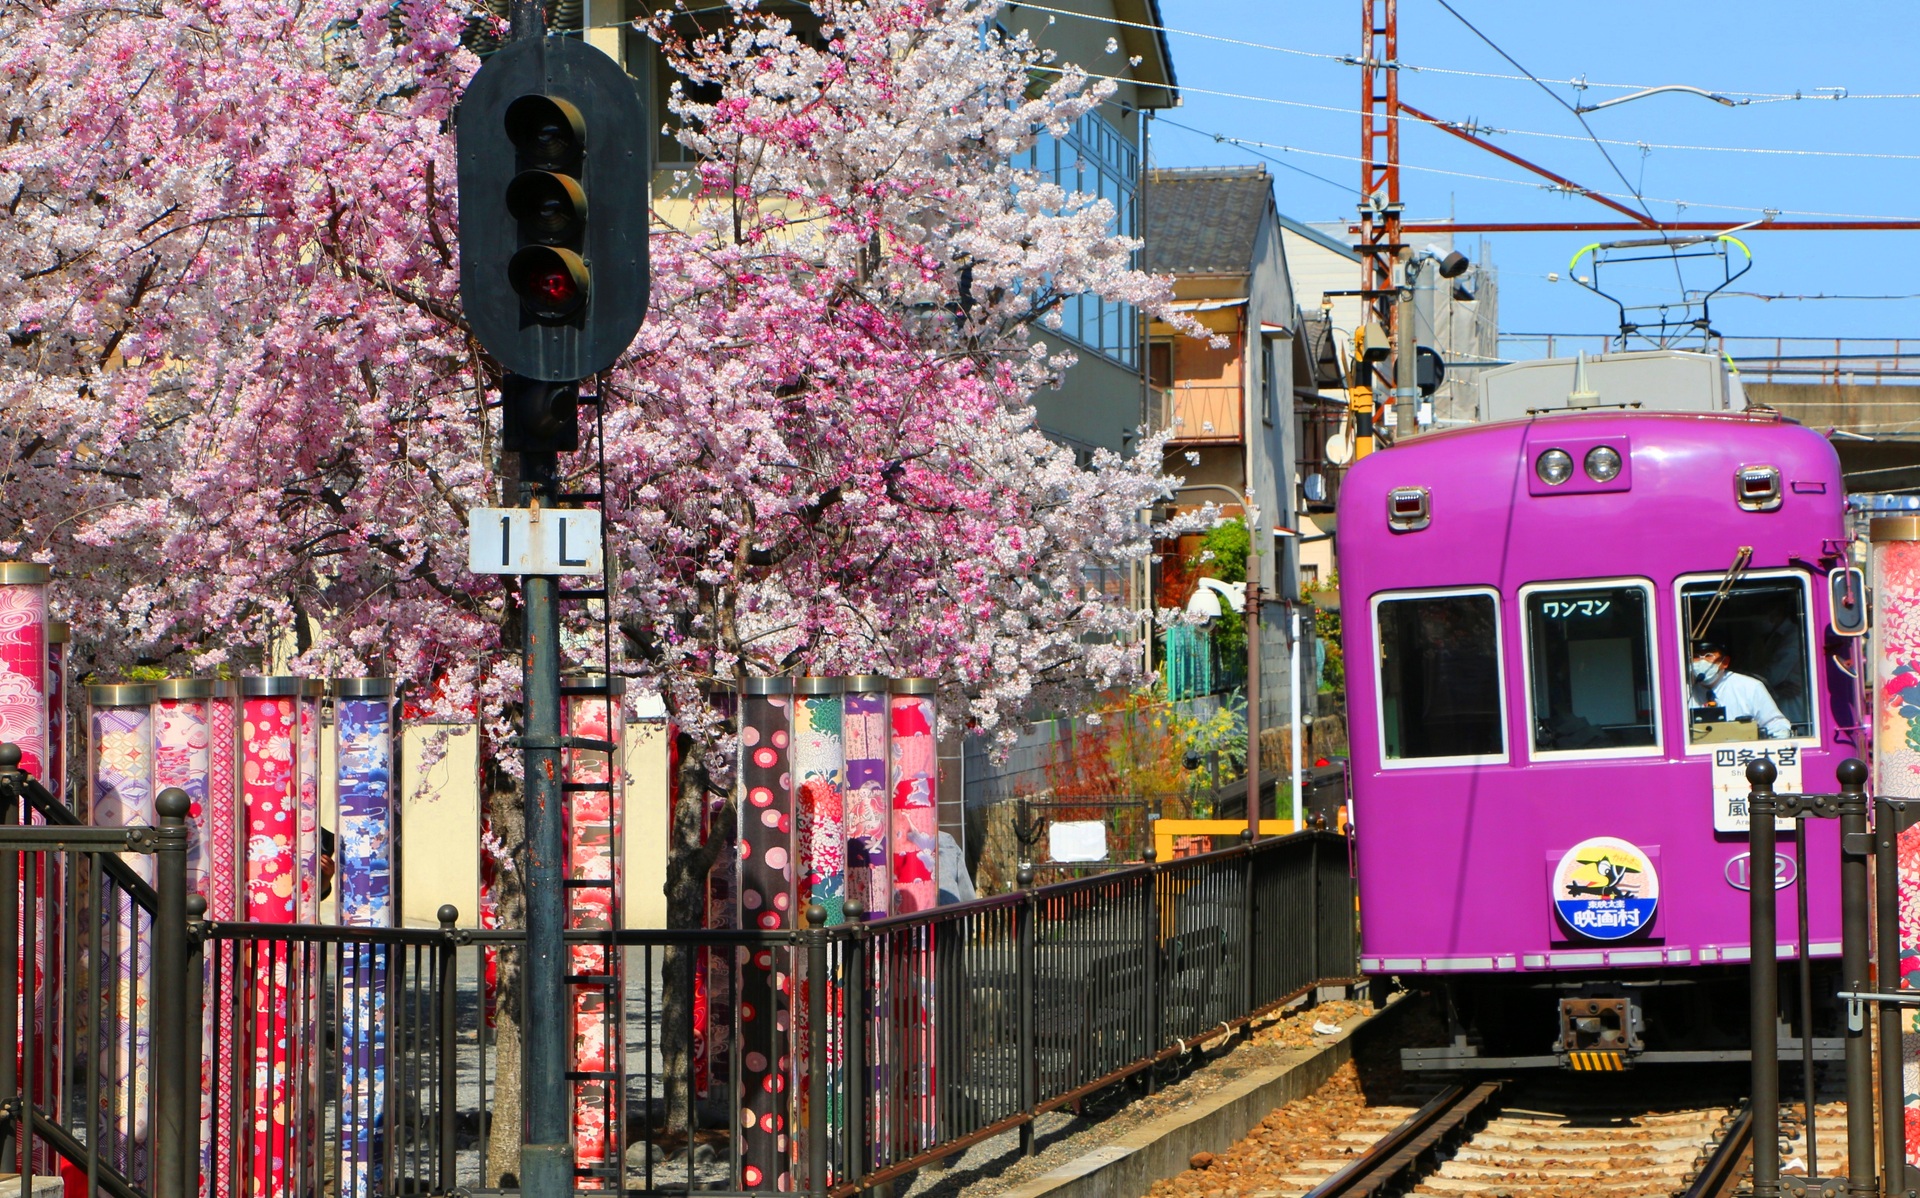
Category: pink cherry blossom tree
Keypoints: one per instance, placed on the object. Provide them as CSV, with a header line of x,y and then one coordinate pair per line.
x,y
242,409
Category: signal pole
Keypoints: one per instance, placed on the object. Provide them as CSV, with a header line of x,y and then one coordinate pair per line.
x,y
555,290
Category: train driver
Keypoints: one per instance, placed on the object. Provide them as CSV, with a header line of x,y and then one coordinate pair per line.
x,y
1739,696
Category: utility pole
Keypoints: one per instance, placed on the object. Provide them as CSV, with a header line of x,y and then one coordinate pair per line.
x,y
1380,206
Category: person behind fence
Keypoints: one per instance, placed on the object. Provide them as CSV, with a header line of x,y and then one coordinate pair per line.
x,y
1719,695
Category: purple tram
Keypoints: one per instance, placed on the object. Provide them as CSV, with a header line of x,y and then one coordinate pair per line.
x,y
1565,637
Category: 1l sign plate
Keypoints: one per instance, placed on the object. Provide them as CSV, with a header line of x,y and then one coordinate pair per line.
x,y
510,540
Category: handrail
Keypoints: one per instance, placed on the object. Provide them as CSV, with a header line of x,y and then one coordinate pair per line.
x,y
16,783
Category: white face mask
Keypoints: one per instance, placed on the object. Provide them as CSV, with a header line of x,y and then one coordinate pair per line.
x,y
1707,670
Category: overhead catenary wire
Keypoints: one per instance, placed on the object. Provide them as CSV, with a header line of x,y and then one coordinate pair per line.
x,y
1757,97
1221,137
1560,100
1478,129
1252,145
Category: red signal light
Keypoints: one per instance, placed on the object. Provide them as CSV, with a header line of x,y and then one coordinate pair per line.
x,y
551,282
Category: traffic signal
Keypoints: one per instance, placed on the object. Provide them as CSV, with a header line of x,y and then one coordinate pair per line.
x,y
539,417
1430,369
553,208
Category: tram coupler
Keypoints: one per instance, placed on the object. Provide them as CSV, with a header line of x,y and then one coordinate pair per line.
x,y
1599,1032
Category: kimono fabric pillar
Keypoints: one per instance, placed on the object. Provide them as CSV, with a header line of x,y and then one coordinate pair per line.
x,y
226,890
26,720
764,780
716,974
183,757
272,1046
59,637
820,843
364,879
57,874
1894,567
120,737
913,777
591,712
869,816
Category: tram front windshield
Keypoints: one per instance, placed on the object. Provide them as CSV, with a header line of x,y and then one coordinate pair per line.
x,y
1591,667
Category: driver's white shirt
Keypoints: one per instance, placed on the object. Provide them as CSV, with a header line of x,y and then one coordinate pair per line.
x,y
1743,696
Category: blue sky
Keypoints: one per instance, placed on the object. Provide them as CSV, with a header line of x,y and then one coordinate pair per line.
x,y
1772,48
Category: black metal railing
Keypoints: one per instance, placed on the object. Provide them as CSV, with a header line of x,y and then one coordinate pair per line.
x,y
364,1063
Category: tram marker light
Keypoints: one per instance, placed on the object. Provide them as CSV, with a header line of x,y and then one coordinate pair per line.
x,y
1757,488
1409,509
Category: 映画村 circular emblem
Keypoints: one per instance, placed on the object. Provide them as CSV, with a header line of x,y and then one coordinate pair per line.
x,y
1605,888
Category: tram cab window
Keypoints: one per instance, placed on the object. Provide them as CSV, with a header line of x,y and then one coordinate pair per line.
x,y
1440,677
1590,667
1749,665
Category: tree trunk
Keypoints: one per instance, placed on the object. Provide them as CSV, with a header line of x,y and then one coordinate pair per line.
x,y
503,1117
689,861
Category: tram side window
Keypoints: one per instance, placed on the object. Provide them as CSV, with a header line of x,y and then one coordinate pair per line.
x,y
1591,668
1440,677
1749,676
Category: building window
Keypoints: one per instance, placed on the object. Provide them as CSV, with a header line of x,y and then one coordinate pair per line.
x,y
1094,158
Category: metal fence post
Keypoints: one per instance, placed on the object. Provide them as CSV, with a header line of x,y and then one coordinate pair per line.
x,y
170,1073
195,1048
1893,1132
1151,946
818,1076
1023,981
1854,937
1764,1004
1247,930
447,1044
9,957
1313,906
854,993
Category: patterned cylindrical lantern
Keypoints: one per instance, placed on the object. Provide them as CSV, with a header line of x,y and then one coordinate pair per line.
x,y
59,637
819,796
591,710
120,754
1895,652
23,662
913,778
764,783
182,757
226,891
868,812
307,769
270,785
51,882
367,841
820,844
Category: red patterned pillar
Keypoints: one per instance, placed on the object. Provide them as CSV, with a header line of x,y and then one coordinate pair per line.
x,y
767,883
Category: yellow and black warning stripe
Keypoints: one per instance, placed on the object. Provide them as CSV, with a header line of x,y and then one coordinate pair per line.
x,y
1597,1062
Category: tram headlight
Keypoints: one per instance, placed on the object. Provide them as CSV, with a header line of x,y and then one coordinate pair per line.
x,y
1554,467
1603,463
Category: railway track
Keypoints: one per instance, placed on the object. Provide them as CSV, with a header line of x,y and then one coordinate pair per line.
x,y
1532,1140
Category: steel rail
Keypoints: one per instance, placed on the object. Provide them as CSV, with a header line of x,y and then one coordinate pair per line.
x,y
1720,1177
1397,1159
